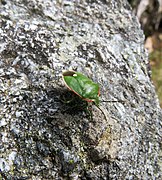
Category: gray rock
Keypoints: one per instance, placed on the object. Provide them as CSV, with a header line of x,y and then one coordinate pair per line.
x,y
42,136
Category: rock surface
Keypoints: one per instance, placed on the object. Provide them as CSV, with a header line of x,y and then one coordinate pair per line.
x,y
43,136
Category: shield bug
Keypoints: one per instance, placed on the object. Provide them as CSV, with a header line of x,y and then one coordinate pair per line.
x,y
82,86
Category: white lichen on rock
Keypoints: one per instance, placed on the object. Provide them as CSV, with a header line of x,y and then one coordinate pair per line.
x,y
44,137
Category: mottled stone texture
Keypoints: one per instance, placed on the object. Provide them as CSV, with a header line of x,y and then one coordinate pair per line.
x,y
46,131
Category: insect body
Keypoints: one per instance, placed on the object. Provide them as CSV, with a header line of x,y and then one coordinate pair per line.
x,y
82,86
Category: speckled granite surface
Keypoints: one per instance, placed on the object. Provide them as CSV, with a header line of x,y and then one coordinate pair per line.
x,y
41,136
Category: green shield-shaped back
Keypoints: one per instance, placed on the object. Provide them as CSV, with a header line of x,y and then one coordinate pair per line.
x,y
82,86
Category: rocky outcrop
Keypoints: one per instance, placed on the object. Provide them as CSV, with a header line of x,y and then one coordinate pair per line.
x,y
46,131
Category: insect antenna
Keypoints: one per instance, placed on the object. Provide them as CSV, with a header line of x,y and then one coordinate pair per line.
x,y
102,112
114,101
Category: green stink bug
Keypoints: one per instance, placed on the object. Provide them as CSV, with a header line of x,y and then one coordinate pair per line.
x,y
82,86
